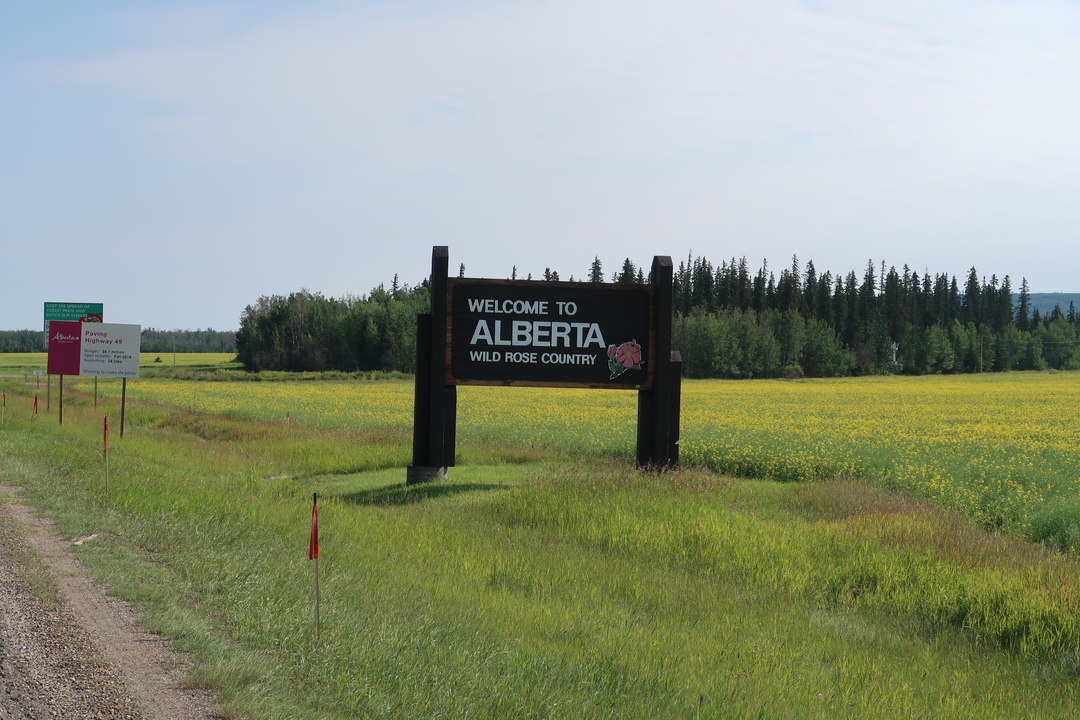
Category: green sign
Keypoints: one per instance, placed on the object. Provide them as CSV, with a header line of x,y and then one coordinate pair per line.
x,y
73,312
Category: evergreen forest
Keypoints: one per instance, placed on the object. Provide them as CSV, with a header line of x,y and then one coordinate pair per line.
x,y
729,323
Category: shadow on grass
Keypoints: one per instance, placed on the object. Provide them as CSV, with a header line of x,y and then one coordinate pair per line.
x,y
402,494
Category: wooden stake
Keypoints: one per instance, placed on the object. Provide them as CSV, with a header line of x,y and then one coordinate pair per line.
x,y
313,554
105,447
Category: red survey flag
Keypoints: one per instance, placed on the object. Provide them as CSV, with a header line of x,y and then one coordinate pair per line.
x,y
35,404
105,441
313,546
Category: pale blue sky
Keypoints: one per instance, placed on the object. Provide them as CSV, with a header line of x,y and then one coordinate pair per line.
x,y
176,160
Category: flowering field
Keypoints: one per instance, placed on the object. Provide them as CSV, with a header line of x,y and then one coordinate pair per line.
x,y
150,359
581,588
41,360
24,360
1002,448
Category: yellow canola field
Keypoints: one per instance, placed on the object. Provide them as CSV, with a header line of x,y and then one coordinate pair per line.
x,y
40,360
168,359
36,361
997,446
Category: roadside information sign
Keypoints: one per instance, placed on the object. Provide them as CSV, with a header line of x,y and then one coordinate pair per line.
x,y
72,312
94,349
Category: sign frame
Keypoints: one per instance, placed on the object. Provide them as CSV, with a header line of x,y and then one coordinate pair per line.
x,y
94,349
549,333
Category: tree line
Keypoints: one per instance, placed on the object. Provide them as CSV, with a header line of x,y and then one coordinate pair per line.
x,y
308,331
728,322
152,341
731,323
187,341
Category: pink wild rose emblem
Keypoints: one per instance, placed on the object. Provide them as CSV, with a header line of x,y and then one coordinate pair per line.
x,y
624,357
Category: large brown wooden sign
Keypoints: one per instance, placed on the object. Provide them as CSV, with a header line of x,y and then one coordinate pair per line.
x,y
549,334
552,334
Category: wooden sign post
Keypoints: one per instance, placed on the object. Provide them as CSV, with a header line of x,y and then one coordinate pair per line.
x,y
435,402
544,334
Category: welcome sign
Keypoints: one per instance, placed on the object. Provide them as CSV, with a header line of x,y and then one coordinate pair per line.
x,y
556,334
545,334
94,349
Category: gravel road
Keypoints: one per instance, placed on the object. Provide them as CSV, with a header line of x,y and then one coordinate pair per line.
x,y
86,658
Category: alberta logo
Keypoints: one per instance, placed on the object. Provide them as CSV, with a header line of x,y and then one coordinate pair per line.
x,y
624,357
59,336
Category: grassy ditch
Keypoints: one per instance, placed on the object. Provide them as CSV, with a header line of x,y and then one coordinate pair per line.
x,y
530,588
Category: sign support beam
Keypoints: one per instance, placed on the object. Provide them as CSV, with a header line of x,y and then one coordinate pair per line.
x,y
435,402
657,408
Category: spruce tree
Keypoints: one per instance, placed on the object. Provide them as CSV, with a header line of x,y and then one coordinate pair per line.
x,y
627,275
971,310
810,291
1004,306
596,271
1022,312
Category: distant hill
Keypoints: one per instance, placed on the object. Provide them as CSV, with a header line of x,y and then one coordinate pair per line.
x,y
1045,302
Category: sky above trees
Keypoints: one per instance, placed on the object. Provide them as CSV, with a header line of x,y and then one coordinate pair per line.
x,y
177,160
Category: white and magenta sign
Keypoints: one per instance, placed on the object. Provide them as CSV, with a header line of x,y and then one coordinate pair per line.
x,y
94,349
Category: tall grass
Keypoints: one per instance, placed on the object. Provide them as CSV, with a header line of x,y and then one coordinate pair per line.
x,y
545,589
1001,448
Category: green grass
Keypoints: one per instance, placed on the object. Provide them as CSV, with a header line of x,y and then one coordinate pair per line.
x,y
188,360
1000,448
528,586
146,360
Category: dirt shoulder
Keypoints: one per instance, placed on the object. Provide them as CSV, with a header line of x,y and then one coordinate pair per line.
x,y
86,657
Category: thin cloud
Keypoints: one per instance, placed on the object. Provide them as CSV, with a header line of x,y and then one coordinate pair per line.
x,y
541,133
535,82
